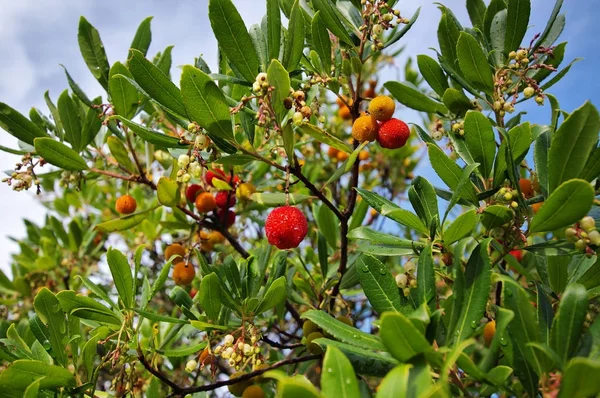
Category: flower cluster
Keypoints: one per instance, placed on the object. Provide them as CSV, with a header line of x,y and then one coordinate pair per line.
x,y
407,280
24,176
241,352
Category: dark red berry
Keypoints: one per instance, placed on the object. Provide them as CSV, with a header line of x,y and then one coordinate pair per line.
x,y
192,192
393,134
225,199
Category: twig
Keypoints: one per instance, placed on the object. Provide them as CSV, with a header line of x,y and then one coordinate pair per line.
x,y
176,388
280,345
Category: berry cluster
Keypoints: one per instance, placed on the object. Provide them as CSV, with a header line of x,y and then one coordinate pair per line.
x,y
407,279
583,234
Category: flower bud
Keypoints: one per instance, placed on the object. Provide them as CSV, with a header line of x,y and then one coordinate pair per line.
x,y
401,280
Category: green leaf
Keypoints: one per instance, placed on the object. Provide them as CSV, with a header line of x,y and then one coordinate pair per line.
x,y
572,145
233,38
550,26
273,29
18,125
520,139
517,21
343,332
86,308
123,95
91,124
465,180
260,45
401,338
121,273
22,373
97,290
496,215
413,98
184,351
279,78
404,217
321,42
294,42
540,156
456,101
476,291
276,293
295,387
32,391
59,154
395,383
338,379
364,362
557,267
497,37
503,319
332,19
450,173
76,89
424,200
153,137
476,10
209,296
167,192
93,52
48,310
326,138
567,326
378,284
161,318
569,203
492,10
119,151
591,171
278,199
426,293
143,37
69,115
479,137
433,74
156,84
473,63
448,33
460,228
580,379
124,223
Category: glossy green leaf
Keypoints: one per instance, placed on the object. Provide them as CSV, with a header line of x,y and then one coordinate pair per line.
x,y
343,332
332,19
167,192
126,222
161,318
321,41
156,84
210,296
572,145
97,290
426,292
376,237
494,7
120,153
276,293
473,63
476,10
338,379
294,42
143,37
233,38
378,284
364,362
503,319
69,115
326,138
401,338
278,199
456,101
450,172
153,137
121,273
520,138
93,52
568,323
76,89
404,217
295,387
279,78
395,383
184,351
479,137
448,33
433,74
273,29
497,37
461,227
123,95
569,203
424,200
49,311
413,98
580,379
517,21
591,171
553,22
86,308
22,373
59,154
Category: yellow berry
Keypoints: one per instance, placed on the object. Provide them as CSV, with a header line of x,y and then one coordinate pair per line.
x,y
364,129
382,108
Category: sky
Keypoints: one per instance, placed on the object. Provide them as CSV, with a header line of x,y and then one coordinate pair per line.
x,y
38,35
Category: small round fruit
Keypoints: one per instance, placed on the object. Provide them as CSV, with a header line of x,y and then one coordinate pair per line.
x,y
342,156
332,152
401,280
215,237
382,108
345,319
393,134
587,223
594,237
205,242
218,174
225,199
571,234
286,227
175,249
227,217
309,327
238,388
192,192
580,244
488,332
253,391
205,202
526,187
345,113
517,254
244,190
364,129
126,204
314,348
363,155
529,92
536,207
183,273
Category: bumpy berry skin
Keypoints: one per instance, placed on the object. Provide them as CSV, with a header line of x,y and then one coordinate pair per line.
x,y
205,202
226,217
183,273
393,134
488,332
253,391
526,187
364,129
174,249
224,199
286,227
192,192
126,204
382,108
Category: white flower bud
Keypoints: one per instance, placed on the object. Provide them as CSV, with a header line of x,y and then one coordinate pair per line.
x,y
191,365
183,161
228,340
401,280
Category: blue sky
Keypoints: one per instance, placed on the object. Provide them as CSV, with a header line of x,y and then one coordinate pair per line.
x,y
38,35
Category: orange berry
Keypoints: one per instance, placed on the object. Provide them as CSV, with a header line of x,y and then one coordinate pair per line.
x,y
183,273
253,391
526,187
363,155
126,204
174,249
488,332
345,113
205,202
364,129
332,152
536,207
215,237
370,93
382,108
205,243
342,156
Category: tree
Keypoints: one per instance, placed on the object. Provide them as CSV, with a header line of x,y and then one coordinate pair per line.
x,y
232,211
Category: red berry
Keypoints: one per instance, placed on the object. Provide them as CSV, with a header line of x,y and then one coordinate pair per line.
x,y
192,192
226,217
286,227
222,199
517,254
393,134
210,174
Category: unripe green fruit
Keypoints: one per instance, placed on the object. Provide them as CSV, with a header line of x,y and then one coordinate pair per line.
x,y
580,244
345,319
595,238
309,327
529,92
314,348
588,224
570,234
297,119
237,389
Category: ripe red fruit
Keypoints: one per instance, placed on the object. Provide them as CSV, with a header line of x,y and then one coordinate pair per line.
x,y
192,191
220,175
226,217
222,199
517,254
286,227
393,134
